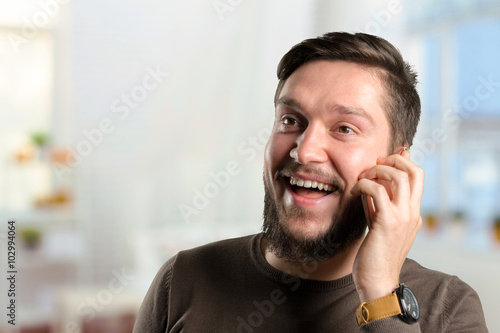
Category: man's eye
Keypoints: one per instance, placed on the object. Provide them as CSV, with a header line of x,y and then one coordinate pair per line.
x,y
289,121
345,130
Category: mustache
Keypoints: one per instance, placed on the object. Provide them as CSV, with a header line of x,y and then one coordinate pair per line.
x,y
293,167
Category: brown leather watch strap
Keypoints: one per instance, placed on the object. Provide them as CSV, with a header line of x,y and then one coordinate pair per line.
x,y
379,308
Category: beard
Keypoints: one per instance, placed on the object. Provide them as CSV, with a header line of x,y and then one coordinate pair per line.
x,y
347,226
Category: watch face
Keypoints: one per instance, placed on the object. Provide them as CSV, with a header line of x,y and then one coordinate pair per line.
x,y
409,304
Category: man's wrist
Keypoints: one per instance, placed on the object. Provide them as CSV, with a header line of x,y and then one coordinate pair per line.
x,y
375,291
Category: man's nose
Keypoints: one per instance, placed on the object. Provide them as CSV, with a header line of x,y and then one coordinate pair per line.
x,y
311,146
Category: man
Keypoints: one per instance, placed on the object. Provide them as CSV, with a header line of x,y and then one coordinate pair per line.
x,y
346,112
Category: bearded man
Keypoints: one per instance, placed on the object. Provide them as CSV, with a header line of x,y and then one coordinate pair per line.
x,y
346,113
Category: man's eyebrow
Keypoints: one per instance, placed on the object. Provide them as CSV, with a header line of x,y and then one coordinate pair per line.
x,y
289,102
340,108
353,110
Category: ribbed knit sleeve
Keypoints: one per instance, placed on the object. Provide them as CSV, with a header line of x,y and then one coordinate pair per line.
x,y
153,314
391,325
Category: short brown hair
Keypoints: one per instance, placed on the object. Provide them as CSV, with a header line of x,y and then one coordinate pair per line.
x,y
403,104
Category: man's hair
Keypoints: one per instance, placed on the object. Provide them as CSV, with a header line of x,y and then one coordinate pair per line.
x,y
399,79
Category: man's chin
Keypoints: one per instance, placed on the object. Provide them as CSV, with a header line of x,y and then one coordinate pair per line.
x,y
302,247
310,231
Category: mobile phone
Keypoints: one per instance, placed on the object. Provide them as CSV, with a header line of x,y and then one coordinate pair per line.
x,y
369,208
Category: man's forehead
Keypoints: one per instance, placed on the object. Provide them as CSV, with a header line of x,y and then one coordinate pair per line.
x,y
346,87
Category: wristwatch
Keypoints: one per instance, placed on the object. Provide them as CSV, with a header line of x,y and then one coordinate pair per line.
x,y
400,302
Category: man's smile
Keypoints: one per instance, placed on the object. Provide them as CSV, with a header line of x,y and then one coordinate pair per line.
x,y
305,190
312,184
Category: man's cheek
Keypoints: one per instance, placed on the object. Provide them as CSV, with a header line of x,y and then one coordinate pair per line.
x,y
362,159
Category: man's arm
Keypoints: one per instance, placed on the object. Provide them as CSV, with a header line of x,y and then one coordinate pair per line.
x,y
396,186
462,310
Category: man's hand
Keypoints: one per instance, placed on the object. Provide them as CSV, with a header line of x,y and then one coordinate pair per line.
x,y
396,185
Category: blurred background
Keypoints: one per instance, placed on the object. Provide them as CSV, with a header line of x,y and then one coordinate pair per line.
x,y
132,130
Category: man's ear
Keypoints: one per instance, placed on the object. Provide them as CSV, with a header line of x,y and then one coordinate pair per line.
x,y
405,151
399,150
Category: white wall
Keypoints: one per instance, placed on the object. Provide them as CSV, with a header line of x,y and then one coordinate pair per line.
x,y
208,111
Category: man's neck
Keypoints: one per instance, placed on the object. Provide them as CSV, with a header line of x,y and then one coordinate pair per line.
x,y
326,270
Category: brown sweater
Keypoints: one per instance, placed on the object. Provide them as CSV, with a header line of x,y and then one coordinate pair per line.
x,y
228,286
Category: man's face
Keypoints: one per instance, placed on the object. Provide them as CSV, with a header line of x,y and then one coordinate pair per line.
x,y
329,127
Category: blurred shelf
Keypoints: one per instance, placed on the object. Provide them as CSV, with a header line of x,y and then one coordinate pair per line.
x,y
55,216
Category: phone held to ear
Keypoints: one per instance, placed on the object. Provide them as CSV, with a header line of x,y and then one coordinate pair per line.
x,y
368,205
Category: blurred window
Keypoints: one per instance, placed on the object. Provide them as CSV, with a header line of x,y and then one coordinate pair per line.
x,y
460,92
26,90
478,54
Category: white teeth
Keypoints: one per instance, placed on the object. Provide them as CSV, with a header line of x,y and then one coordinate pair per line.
x,y
310,184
